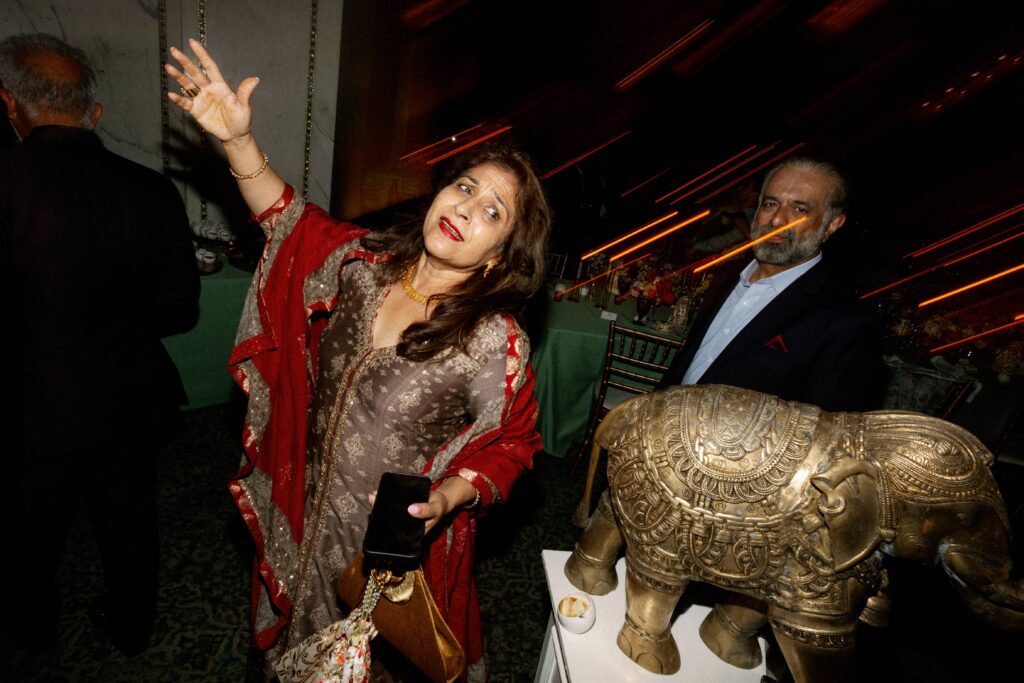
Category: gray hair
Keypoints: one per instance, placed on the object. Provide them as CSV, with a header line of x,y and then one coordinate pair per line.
x,y
835,200
36,87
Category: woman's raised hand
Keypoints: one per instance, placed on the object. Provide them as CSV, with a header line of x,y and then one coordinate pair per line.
x,y
223,113
226,115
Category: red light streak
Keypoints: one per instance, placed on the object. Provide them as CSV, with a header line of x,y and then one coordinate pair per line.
x,y
944,264
468,145
1001,233
1019,316
661,234
653,177
1016,321
450,138
980,250
595,279
626,237
708,172
729,254
584,155
980,282
899,282
688,266
751,172
966,231
985,305
724,173
662,56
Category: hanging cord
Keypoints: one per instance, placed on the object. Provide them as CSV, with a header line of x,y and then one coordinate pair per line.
x,y
310,74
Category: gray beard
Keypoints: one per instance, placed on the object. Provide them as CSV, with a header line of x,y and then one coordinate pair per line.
x,y
791,252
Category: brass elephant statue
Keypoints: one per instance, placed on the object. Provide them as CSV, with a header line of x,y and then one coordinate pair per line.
x,y
792,508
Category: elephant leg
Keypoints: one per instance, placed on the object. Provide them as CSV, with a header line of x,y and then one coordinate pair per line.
x,y
816,648
591,568
730,631
646,637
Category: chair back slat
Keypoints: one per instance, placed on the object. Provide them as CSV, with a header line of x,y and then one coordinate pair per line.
x,y
643,383
634,361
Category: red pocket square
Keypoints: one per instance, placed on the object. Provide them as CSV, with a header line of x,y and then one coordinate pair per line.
x,y
777,343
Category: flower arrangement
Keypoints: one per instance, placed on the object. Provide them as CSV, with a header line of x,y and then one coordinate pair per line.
x,y
1009,361
661,283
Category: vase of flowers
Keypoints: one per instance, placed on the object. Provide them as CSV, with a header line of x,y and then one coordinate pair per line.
x,y
644,306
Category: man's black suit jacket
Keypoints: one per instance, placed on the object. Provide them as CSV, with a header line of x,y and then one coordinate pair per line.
x,y
810,344
97,265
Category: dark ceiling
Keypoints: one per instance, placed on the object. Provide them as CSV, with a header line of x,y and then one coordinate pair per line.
x,y
919,102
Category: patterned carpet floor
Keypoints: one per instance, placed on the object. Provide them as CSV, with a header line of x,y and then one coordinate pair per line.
x,y
202,632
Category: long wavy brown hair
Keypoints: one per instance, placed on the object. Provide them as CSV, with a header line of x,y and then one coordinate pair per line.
x,y
516,276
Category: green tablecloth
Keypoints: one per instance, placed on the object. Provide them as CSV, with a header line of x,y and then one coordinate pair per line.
x,y
568,358
201,354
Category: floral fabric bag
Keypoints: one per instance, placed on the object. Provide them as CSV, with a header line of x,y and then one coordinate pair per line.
x,y
407,617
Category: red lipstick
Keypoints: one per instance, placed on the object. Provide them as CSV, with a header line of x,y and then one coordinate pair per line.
x,y
449,229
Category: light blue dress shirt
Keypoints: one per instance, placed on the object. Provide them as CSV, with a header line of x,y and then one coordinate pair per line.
x,y
746,301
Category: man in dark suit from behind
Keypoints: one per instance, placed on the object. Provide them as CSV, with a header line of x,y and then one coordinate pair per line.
x,y
784,324
97,265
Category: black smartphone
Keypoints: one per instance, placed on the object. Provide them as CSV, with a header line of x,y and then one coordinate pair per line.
x,y
394,538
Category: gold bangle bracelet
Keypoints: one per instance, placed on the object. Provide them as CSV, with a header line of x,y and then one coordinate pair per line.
x,y
475,502
250,176
470,476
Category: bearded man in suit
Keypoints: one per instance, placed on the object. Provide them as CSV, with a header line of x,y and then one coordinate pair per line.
x,y
782,325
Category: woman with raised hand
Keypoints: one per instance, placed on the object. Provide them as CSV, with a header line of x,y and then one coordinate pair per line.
x,y
370,352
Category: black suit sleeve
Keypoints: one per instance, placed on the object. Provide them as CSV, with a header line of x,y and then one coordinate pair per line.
x,y
175,304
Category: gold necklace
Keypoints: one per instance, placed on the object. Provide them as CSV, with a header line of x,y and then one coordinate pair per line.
x,y
407,285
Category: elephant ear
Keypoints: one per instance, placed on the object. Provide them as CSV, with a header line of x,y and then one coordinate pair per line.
x,y
850,509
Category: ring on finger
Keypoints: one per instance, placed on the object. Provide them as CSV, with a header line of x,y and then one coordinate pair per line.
x,y
189,92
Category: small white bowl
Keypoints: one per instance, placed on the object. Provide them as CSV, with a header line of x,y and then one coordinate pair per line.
x,y
576,612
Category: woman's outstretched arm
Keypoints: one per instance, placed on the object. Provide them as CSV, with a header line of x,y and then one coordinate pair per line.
x,y
226,115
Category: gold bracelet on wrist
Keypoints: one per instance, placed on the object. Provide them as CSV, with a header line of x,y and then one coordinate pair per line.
x,y
470,476
250,176
476,501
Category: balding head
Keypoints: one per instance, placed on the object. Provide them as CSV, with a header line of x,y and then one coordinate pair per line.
x,y
47,81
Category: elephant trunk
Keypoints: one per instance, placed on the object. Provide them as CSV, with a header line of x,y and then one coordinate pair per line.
x,y
985,588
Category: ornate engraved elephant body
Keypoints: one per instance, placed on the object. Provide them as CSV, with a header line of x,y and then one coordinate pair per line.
x,y
789,505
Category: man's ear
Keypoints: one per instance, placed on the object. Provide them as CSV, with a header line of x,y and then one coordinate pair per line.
x,y
97,112
835,224
9,102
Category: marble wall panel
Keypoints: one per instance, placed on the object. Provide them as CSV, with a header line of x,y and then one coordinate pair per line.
x,y
266,38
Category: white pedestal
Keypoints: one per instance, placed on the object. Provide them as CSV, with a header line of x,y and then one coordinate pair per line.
x,y
594,656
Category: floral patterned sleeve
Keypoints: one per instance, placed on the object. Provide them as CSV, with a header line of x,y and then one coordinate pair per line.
x,y
500,394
